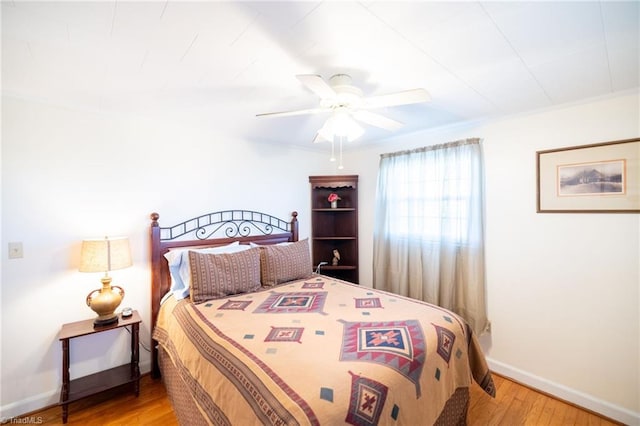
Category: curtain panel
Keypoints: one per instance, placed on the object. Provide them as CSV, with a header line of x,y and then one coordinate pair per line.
x,y
429,228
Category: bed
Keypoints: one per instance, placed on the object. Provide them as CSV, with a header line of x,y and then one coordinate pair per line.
x,y
245,333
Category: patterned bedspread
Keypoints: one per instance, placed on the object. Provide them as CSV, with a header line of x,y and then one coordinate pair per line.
x,y
320,351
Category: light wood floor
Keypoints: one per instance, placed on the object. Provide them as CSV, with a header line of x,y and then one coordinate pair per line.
x,y
514,405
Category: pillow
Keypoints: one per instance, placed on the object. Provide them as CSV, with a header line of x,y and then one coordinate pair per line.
x,y
282,263
180,272
218,275
285,243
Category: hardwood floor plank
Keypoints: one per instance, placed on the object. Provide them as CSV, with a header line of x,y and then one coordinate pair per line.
x,y
570,416
530,399
582,418
514,405
513,415
504,398
558,413
549,412
537,408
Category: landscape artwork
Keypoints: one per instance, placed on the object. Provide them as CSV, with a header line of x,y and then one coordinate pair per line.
x,y
601,178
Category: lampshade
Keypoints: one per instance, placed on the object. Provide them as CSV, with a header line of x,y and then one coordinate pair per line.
x,y
105,254
341,125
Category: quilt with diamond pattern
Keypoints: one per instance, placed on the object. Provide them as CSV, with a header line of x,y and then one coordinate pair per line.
x,y
321,351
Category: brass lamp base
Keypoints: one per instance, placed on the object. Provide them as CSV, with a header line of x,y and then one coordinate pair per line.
x,y
104,302
99,322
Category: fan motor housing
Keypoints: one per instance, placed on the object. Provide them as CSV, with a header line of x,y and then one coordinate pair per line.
x,y
347,95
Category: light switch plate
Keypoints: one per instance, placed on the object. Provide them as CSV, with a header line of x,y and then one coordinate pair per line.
x,y
15,251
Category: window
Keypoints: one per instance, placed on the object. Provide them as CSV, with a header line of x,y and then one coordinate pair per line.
x,y
428,201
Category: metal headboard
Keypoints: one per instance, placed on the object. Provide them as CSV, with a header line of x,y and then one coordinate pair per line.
x,y
226,224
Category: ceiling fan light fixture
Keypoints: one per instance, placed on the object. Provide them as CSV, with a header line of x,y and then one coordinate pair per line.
x,y
352,131
341,125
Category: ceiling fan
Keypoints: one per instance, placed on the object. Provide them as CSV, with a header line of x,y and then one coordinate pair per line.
x,y
346,101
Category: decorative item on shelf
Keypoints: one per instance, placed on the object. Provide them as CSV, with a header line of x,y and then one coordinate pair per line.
x,y
104,255
333,199
336,257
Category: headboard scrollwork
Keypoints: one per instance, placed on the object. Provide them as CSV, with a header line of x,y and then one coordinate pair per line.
x,y
226,224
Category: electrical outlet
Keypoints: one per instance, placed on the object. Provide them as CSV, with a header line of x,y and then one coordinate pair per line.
x,y
15,251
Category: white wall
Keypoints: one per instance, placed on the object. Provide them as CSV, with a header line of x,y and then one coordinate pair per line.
x,y
563,289
69,175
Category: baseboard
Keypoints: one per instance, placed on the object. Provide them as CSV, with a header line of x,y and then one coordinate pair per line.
x,y
43,400
565,393
18,409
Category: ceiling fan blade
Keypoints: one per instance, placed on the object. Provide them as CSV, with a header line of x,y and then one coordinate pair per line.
x,y
290,113
377,120
317,85
412,96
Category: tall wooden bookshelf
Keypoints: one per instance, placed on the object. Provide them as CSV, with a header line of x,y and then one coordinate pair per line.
x,y
335,228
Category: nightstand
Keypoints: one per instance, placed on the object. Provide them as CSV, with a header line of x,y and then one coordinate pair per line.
x,y
73,390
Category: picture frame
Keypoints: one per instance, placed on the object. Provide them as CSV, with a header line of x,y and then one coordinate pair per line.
x,y
596,178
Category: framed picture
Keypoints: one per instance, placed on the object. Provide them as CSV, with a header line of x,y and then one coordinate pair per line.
x,y
597,178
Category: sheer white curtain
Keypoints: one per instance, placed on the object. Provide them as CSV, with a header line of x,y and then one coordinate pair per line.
x,y
429,228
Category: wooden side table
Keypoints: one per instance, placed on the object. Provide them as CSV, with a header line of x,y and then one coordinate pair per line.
x,y
73,390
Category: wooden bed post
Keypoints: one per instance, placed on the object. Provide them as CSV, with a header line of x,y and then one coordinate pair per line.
x,y
156,276
294,226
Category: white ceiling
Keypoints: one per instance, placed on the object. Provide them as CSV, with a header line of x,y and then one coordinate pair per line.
x,y
223,62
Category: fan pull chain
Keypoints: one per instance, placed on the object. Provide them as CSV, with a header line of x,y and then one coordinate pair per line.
x,y
340,166
333,155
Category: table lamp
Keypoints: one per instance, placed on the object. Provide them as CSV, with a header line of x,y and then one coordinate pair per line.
x,y
104,255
